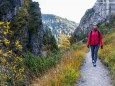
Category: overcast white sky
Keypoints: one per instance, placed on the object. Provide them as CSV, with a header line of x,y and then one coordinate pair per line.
x,y
70,9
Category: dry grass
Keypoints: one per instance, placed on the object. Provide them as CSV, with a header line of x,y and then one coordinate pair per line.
x,y
65,73
107,55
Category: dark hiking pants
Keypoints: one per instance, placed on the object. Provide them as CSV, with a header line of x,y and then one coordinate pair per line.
x,y
94,52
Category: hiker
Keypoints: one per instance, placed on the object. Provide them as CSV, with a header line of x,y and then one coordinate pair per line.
x,y
94,42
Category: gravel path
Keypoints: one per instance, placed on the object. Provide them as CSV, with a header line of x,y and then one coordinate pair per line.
x,y
93,76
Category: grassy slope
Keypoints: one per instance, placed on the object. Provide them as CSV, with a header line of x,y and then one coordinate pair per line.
x,y
67,71
107,55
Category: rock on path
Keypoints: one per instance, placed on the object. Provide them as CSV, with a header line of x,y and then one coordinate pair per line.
x,y
93,76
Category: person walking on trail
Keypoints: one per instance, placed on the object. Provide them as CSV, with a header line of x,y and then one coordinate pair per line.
x,y
94,42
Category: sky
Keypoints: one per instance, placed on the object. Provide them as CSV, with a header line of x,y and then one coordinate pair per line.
x,y
70,9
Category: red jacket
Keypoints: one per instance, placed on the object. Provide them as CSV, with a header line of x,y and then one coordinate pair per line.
x,y
94,38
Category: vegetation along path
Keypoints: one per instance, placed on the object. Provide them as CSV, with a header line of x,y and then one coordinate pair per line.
x,y
93,76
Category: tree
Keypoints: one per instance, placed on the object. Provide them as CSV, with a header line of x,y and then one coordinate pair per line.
x,y
64,41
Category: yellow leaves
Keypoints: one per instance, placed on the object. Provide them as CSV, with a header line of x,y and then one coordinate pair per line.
x,y
9,60
5,54
8,23
3,60
1,23
10,51
1,51
6,41
64,41
10,69
5,33
17,44
5,24
7,27
5,30
21,70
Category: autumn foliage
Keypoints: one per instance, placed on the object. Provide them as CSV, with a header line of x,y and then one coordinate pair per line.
x,y
64,42
11,71
67,71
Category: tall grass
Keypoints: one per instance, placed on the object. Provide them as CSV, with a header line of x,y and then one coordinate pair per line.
x,y
66,72
107,55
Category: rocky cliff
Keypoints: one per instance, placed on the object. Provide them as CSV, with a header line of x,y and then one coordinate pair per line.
x,y
26,24
8,8
100,12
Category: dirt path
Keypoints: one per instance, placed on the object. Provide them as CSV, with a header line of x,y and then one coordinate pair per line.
x,y
93,76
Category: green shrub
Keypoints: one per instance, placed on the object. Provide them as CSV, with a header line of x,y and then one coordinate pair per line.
x,y
38,65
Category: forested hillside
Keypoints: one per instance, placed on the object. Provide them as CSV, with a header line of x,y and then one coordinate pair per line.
x,y
59,25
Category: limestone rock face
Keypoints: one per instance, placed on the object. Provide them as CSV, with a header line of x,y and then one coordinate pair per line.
x,y
101,11
36,36
8,8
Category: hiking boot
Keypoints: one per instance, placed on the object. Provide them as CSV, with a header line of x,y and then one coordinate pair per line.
x,y
94,64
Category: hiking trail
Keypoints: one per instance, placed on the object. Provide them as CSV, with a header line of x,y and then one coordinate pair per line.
x,y
93,76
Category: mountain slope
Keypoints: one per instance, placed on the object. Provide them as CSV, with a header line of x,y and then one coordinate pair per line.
x,y
59,25
100,12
